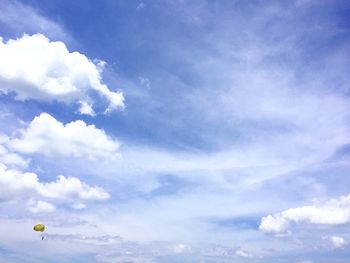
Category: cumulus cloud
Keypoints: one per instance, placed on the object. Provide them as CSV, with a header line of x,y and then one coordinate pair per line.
x,y
16,185
86,108
332,212
39,206
33,67
274,224
337,242
9,158
46,135
12,159
72,188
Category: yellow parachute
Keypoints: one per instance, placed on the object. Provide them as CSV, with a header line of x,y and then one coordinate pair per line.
x,y
39,228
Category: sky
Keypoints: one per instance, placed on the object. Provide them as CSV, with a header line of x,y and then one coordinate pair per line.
x,y
175,131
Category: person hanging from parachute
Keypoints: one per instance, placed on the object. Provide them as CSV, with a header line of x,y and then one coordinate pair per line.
x,y
40,228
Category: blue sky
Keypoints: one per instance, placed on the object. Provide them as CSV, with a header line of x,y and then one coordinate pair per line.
x,y
175,131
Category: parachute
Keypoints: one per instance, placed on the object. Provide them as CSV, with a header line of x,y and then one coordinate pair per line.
x,y
39,228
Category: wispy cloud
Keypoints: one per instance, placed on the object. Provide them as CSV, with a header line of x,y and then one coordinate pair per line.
x,y
18,18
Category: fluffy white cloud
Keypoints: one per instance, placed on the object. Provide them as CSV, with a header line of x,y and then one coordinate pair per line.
x,y
40,206
86,108
72,188
274,224
332,212
35,68
10,158
337,242
16,185
46,135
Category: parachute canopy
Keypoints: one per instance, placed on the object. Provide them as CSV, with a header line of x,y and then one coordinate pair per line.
x,y
39,227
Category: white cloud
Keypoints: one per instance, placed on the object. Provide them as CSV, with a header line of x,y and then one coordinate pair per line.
x,y
46,135
180,248
10,158
86,108
72,188
20,18
40,206
237,165
337,242
243,254
332,212
274,224
16,185
35,68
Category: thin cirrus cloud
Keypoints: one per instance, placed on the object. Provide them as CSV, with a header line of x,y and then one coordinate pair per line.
x,y
243,254
333,212
48,136
17,17
33,67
